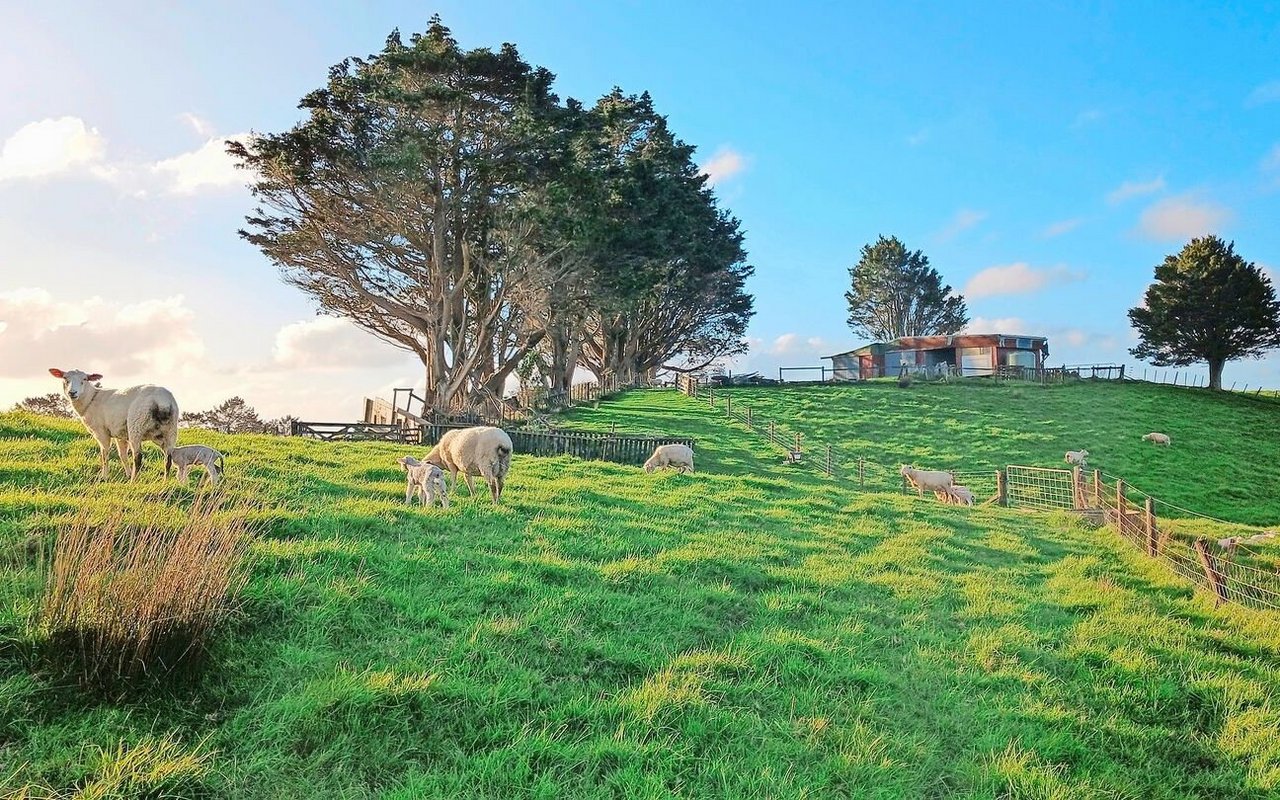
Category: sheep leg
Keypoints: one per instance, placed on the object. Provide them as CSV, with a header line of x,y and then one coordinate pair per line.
x,y
104,449
135,450
408,492
120,451
471,484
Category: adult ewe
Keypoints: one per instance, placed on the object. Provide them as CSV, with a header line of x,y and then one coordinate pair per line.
x,y
927,480
135,415
482,451
679,456
1157,438
1078,457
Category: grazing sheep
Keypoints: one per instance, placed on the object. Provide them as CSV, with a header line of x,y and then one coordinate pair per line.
x,y
926,480
1077,457
134,415
957,495
1157,438
194,455
679,456
483,451
1231,542
424,480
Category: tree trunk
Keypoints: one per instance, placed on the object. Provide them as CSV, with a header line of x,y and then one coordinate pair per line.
x,y
1215,372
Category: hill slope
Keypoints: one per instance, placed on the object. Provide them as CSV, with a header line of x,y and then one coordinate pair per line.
x,y
609,633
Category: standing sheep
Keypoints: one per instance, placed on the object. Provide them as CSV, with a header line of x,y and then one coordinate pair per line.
x,y
194,455
134,415
483,451
1077,457
679,456
1157,438
927,480
424,480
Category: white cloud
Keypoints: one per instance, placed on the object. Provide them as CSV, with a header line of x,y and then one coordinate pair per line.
x,y
125,340
1018,278
1271,161
206,167
203,127
1130,189
332,343
1061,227
963,220
1000,325
1261,95
1086,117
726,163
51,147
1182,217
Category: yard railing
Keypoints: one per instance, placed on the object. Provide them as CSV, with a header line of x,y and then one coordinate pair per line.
x,y
620,449
352,432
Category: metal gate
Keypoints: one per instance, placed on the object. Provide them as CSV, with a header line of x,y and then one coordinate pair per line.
x,y
1037,487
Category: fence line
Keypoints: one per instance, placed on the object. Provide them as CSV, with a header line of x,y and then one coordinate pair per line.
x,y
620,449
1230,568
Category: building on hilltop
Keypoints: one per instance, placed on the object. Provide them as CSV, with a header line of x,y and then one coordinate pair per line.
x,y
966,354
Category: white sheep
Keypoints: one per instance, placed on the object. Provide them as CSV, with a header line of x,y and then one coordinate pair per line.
x,y
679,456
1077,457
129,416
424,480
483,451
1231,542
194,455
1157,438
956,495
927,480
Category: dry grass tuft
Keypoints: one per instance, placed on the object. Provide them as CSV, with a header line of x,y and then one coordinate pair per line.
x,y
129,598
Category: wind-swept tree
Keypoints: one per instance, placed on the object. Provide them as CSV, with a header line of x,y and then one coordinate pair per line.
x,y
1207,304
55,404
896,293
401,202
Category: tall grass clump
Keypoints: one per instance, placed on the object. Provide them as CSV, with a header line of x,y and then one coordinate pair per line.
x,y
127,598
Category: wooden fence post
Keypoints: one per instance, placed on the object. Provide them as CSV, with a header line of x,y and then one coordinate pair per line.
x,y
1097,488
829,472
748,417
1153,537
772,438
1077,487
711,398
728,406
1002,487
1211,572
861,473
798,435
1120,505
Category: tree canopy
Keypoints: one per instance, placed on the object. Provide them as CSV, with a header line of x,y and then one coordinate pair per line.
x,y
54,404
447,201
1207,304
896,293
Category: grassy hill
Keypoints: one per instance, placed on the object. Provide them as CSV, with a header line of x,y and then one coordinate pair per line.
x,y
748,631
1224,462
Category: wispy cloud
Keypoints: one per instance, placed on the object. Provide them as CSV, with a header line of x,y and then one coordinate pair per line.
x,y
331,343
1271,161
1130,189
1017,278
722,166
1261,95
918,138
1061,226
1000,325
1182,217
203,127
963,220
208,167
52,147
1086,117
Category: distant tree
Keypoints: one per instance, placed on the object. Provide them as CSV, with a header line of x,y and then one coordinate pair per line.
x,y
50,405
896,293
281,426
231,416
1207,304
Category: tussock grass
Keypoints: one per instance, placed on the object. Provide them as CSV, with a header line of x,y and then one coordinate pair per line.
x,y
126,598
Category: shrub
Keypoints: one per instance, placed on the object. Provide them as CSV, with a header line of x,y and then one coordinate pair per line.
x,y
124,600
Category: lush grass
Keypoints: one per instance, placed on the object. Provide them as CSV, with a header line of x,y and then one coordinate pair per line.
x,y
1224,462
747,631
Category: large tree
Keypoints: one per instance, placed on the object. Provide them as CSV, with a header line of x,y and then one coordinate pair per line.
x,y
55,404
402,203
1207,304
896,293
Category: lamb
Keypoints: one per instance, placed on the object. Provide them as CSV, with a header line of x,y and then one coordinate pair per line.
x,y
1157,438
679,456
424,480
922,480
955,495
1077,457
195,455
134,415
483,451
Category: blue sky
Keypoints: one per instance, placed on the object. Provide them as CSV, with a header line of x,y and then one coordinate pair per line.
x,y
1044,158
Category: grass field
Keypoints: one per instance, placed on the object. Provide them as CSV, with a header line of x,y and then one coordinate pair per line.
x,y
748,631
1224,462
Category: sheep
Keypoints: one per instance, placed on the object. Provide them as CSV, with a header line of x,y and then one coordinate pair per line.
x,y
1077,457
424,480
1157,438
195,455
483,451
1231,542
134,415
957,495
679,456
922,480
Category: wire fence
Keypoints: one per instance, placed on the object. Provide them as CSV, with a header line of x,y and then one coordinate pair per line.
x,y
1234,566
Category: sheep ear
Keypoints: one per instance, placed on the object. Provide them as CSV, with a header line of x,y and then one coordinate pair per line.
x,y
94,377
55,372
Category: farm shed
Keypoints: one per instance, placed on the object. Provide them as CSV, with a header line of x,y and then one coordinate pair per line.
x,y
965,353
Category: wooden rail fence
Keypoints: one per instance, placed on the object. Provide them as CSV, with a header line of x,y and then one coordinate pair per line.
x,y
352,432
620,449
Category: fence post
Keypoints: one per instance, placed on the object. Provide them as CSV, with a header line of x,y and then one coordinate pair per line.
x,y
711,398
829,473
861,473
1211,571
1097,488
748,417
798,435
772,438
1002,487
1077,488
728,406
1153,537
1122,372
1120,505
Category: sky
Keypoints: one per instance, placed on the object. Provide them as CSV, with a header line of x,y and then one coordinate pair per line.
x,y
1044,156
